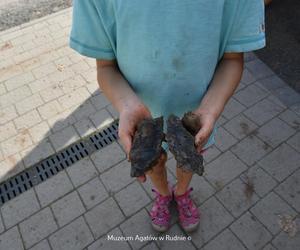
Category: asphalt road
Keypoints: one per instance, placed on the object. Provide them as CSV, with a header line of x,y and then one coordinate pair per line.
x,y
16,12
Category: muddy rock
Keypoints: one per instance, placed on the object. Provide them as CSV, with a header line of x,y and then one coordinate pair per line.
x,y
146,147
180,138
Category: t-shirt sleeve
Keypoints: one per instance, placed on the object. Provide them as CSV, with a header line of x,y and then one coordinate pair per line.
x,y
248,29
88,34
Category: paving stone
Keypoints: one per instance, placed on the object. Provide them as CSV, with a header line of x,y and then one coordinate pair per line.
x,y
10,166
295,108
259,69
214,219
27,120
2,89
269,247
247,77
263,111
99,101
16,144
269,209
112,111
7,130
36,153
43,245
250,95
84,110
64,138
37,227
284,241
92,193
53,188
1,226
29,103
19,208
117,177
225,241
84,127
250,231
108,156
39,132
11,239
232,108
291,118
224,169
224,140
277,101
275,132
75,236
202,190
80,66
289,190
285,156
132,198
72,83
249,56
262,182
175,244
105,243
51,93
295,141
44,70
101,118
7,114
272,82
67,208
93,86
82,171
221,120
236,197
14,96
251,149
287,95
104,217
150,246
139,224
50,109
62,120
240,126
211,153
74,98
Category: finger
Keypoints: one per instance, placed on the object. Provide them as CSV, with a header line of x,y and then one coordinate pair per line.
x,y
142,178
126,140
201,136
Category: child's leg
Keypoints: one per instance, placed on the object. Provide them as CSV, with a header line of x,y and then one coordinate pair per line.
x,y
183,179
158,175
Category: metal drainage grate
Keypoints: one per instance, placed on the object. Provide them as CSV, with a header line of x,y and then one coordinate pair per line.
x,y
57,162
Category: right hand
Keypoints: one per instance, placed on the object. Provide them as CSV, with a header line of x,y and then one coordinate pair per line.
x,y
130,117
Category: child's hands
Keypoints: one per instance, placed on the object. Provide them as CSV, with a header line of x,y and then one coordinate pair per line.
x,y
130,117
207,121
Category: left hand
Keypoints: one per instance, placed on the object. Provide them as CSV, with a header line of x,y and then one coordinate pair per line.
x,y
207,122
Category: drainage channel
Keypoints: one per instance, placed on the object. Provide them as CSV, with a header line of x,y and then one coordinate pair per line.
x,y
57,162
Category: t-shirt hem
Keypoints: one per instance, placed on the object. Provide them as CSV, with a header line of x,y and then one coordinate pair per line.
x,y
91,51
246,45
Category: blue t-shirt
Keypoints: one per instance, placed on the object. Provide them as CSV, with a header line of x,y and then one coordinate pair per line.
x,y
168,50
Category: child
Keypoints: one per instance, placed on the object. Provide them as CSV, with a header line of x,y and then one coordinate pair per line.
x,y
157,57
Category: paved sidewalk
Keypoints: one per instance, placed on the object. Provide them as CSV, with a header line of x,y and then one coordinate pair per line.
x,y
249,197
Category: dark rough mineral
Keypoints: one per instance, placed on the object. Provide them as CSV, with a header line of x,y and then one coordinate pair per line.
x,y
146,147
181,141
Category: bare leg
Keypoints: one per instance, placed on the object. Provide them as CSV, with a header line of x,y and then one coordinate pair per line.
x,y
183,180
158,175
